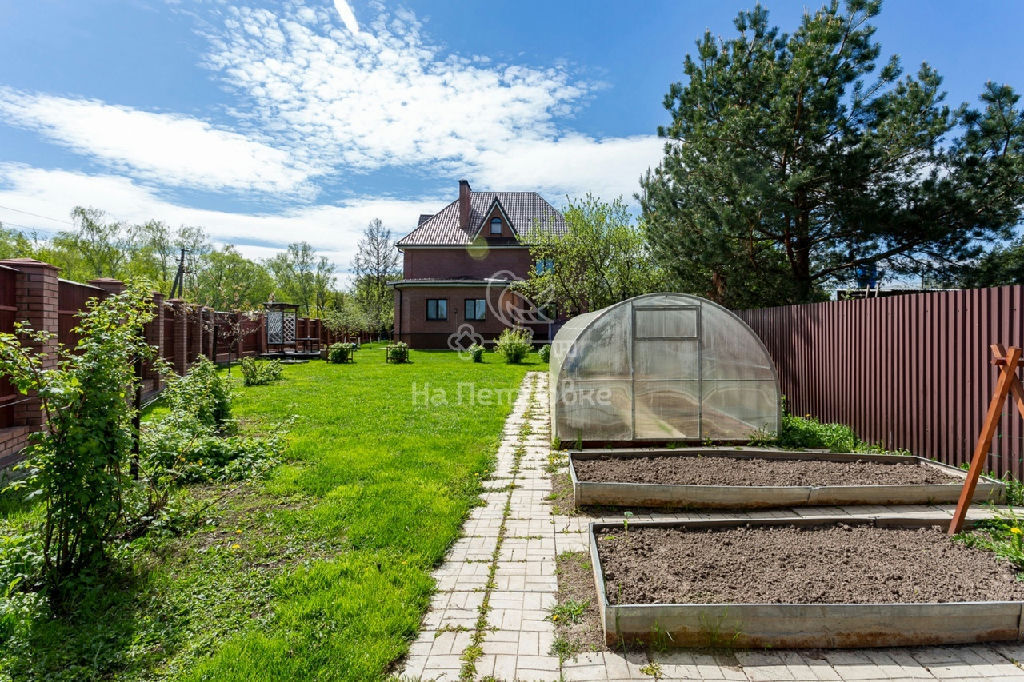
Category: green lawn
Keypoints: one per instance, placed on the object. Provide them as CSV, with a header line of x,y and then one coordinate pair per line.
x,y
320,572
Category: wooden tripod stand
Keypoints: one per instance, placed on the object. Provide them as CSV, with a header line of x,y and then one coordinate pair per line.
x,y
1008,361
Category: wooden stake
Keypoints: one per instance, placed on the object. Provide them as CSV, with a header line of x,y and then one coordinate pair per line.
x,y
1007,381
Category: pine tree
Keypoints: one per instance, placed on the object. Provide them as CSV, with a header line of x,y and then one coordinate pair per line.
x,y
789,163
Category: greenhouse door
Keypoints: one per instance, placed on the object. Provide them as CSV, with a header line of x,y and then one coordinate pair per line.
x,y
666,373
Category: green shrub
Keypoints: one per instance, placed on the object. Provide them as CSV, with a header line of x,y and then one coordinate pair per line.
x,y
77,465
805,433
514,345
398,352
477,351
338,353
201,393
258,372
545,352
178,449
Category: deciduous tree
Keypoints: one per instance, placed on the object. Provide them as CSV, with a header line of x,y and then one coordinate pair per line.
x,y
601,259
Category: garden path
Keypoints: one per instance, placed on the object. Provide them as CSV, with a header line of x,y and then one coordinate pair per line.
x,y
489,617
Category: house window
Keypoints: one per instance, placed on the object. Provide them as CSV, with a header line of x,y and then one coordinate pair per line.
x,y
476,308
495,225
437,308
545,265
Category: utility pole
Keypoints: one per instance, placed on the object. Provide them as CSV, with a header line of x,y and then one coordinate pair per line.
x,y
178,287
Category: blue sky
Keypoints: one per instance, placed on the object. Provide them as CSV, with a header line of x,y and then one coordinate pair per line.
x,y
271,122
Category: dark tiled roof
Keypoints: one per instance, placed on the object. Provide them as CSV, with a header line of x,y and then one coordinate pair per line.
x,y
524,209
424,217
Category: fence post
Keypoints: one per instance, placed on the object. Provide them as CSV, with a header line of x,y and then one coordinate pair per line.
x,y
154,333
207,316
36,297
194,314
180,335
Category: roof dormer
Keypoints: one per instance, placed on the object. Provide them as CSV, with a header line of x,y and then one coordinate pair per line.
x,y
496,224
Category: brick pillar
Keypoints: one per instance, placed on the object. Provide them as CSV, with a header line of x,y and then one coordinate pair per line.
x,y
36,295
154,333
261,335
195,334
211,322
108,284
181,334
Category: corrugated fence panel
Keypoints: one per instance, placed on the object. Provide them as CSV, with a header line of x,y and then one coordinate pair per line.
x,y
910,372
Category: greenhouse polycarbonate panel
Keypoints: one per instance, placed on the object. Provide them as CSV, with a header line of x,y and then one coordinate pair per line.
x,y
602,350
594,410
656,359
731,351
666,410
735,409
655,323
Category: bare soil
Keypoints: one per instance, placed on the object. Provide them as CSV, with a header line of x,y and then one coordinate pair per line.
x,y
576,585
676,470
785,564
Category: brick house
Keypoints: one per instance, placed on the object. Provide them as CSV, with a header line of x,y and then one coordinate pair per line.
x,y
459,262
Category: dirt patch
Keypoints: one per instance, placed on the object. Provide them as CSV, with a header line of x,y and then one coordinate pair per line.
x,y
563,503
750,472
579,626
784,564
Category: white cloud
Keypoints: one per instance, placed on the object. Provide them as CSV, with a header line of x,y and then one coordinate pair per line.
x,y
571,165
332,230
382,97
171,149
348,17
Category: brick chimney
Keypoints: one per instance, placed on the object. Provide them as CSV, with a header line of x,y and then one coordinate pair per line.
x,y
464,204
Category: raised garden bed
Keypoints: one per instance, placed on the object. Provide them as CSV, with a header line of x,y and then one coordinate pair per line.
x,y
750,478
812,582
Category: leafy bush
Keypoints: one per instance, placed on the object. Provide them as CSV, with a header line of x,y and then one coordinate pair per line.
x,y
477,351
201,393
259,372
514,345
398,352
21,563
340,352
76,464
545,352
805,433
177,449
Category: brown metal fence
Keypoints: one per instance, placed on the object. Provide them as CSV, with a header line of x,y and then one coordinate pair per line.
x,y
71,303
911,372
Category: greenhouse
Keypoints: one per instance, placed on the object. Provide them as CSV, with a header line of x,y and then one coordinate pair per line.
x,y
661,367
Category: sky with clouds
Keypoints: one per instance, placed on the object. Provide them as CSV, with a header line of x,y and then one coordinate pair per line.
x,y
271,122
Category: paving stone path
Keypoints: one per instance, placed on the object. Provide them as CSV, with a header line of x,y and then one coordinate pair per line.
x,y
489,617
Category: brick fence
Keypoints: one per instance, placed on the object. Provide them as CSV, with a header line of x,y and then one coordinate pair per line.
x,y
31,291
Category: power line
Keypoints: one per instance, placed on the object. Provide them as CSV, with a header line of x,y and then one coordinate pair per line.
x,y
36,215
